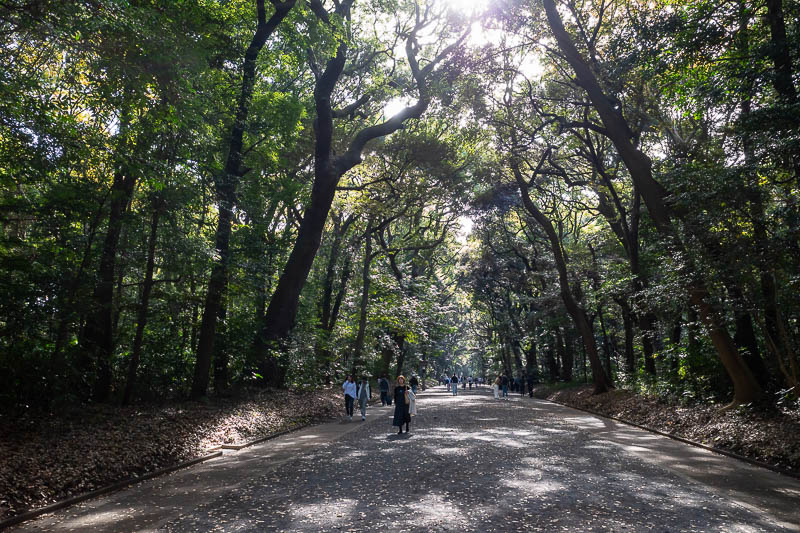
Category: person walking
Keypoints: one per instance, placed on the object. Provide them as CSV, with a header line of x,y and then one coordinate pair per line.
x,y
383,385
349,388
504,383
414,382
401,405
364,395
454,384
496,388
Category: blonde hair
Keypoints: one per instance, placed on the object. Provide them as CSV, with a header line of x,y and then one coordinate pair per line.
x,y
401,377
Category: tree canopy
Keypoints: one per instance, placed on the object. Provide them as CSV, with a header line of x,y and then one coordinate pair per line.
x,y
201,195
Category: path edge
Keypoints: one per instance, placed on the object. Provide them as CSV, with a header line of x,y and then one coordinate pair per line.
x,y
117,485
754,462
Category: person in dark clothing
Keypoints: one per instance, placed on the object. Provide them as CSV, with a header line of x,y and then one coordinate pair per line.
x,y
414,382
383,385
504,384
401,414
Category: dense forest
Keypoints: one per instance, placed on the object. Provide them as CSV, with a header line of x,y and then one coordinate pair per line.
x,y
202,195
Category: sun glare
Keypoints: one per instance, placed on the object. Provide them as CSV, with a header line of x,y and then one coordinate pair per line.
x,y
468,7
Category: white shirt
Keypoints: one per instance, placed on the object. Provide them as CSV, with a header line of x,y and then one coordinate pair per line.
x,y
349,388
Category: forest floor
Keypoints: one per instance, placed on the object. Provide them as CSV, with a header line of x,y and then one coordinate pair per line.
x,y
46,458
771,437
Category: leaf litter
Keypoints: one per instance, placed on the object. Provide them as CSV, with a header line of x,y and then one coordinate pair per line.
x,y
54,456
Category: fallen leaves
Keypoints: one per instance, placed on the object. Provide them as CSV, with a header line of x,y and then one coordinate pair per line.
x,y
47,458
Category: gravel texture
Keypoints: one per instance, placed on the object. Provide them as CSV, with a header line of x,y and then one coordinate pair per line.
x,y
772,436
471,463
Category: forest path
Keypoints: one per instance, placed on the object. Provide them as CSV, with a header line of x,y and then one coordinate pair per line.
x,y
470,463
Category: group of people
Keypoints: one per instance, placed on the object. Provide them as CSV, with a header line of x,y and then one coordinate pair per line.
x,y
404,398
501,385
453,382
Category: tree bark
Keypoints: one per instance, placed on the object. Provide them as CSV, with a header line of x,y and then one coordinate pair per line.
x,y
226,192
567,357
365,286
627,321
98,339
144,303
328,169
552,364
600,380
745,387
531,362
779,52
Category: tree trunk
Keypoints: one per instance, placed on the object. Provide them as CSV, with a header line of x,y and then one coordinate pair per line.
x,y
606,346
226,191
144,303
400,340
647,325
221,355
328,169
779,52
627,321
365,285
552,364
66,309
517,357
98,342
531,363
600,380
567,357
745,387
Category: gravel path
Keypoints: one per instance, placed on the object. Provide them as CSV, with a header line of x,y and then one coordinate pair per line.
x,y
472,463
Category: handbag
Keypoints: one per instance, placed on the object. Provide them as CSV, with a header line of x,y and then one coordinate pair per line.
x,y
408,401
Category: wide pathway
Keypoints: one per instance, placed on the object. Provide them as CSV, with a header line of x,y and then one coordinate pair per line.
x,y
470,463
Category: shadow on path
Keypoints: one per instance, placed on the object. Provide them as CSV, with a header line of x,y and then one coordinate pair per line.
x,y
473,464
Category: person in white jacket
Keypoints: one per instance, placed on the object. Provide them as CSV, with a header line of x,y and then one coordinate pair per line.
x,y
364,395
349,389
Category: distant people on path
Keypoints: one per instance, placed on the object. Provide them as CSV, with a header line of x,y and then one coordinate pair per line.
x,y
414,382
402,402
383,386
364,395
469,380
504,384
349,388
496,388
454,384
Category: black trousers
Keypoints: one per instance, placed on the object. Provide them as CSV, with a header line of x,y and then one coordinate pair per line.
x,y
348,404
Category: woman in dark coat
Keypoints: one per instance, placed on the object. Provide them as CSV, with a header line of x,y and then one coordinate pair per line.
x,y
401,414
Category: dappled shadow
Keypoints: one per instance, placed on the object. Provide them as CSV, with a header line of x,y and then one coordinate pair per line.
x,y
474,464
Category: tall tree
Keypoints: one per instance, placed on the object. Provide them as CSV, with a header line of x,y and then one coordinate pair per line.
x,y
329,167
225,185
